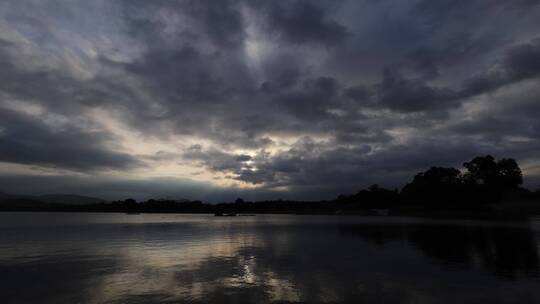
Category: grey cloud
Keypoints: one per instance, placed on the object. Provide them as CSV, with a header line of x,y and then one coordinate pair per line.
x,y
25,139
302,22
220,22
520,62
243,74
305,163
410,95
57,89
162,155
446,11
459,48
311,100
217,160
315,168
242,158
509,114
523,61
398,93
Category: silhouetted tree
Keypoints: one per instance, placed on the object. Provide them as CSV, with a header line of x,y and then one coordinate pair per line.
x,y
510,175
374,188
486,180
502,174
437,184
372,197
481,170
130,201
439,176
130,205
492,179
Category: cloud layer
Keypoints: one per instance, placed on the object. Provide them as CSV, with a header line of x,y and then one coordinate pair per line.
x,y
302,99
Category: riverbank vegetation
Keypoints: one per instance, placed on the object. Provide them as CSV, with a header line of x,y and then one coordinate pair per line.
x,y
484,187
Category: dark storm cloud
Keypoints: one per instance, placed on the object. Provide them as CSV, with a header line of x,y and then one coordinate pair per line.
x,y
460,32
411,95
310,100
221,22
445,11
307,164
217,160
26,140
38,85
311,165
520,62
30,78
511,114
318,169
302,22
327,96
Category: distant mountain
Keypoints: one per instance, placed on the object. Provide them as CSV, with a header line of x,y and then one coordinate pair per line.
x,y
7,196
66,199
70,199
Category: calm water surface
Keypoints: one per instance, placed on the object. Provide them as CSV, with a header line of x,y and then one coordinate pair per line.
x,y
155,258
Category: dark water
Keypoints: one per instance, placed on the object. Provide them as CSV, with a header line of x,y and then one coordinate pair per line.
x,y
117,258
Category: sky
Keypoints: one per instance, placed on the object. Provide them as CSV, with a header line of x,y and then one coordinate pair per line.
x,y
289,99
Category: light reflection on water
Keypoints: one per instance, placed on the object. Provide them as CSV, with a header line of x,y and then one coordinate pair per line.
x,y
118,258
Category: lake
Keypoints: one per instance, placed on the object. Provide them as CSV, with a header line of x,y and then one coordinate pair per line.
x,y
175,258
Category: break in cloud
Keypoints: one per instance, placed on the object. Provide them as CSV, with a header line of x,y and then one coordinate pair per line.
x,y
263,99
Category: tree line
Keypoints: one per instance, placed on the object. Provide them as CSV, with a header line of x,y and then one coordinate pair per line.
x,y
483,180
481,184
